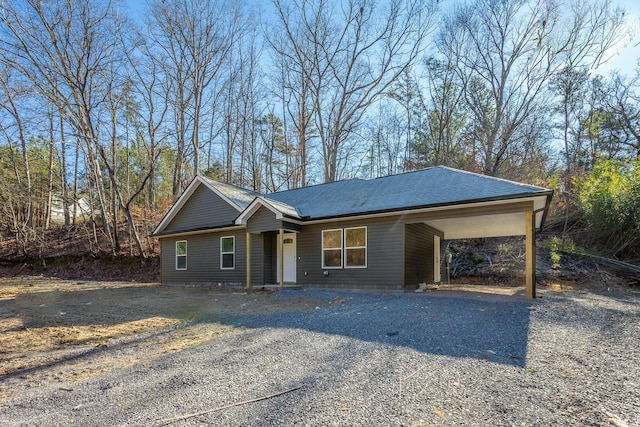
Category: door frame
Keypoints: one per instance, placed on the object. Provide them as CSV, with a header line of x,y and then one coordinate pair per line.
x,y
290,260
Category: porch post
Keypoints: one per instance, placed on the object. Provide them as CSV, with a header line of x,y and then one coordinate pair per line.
x,y
248,260
530,254
281,257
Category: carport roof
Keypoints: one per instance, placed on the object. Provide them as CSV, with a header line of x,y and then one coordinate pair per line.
x,y
432,187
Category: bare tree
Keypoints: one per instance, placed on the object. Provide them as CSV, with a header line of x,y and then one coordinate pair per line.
x,y
192,40
623,105
595,116
9,104
63,48
349,53
387,132
570,85
293,90
146,79
505,53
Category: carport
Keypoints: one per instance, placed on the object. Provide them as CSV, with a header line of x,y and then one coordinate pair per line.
x,y
496,218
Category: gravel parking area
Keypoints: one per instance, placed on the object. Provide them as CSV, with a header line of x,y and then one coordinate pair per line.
x,y
441,358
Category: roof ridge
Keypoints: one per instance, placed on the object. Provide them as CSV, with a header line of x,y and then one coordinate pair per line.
x,y
314,185
403,173
279,204
495,178
215,181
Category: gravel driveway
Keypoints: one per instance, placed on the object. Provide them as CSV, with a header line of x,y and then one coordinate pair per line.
x,y
439,358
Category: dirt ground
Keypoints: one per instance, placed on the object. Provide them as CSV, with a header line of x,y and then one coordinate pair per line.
x,y
46,324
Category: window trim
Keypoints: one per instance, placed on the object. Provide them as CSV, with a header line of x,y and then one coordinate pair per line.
x,y
365,247
323,249
222,253
181,255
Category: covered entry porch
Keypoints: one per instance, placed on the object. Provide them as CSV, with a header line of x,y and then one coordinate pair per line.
x,y
275,260
271,244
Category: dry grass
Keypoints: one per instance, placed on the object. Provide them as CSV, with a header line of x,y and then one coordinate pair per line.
x,y
47,322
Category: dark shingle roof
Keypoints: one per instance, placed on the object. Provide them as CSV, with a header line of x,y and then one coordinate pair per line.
x,y
237,195
286,209
425,188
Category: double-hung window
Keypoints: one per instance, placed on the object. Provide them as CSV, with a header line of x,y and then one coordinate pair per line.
x,y
344,248
181,255
332,248
355,247
227,253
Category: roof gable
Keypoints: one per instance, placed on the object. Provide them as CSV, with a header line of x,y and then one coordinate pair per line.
x,y
228,202
279,209
236,196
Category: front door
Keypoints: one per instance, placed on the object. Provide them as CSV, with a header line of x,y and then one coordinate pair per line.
x,y
289,258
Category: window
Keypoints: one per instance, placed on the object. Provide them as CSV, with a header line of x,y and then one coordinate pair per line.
x,y
355,247
227,253
346,247
332,248
181,255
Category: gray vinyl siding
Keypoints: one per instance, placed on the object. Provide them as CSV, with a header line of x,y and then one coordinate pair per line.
x,y
270,240
385,250
257,259
203,259
263,220
419,255
203,209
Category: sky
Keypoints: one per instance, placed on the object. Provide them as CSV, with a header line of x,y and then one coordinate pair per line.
x,y
624,59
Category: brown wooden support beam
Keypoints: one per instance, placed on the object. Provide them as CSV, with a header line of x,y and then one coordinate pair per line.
x,y
248,260
281,257
530,254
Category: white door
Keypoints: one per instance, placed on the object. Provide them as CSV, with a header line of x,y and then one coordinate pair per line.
x,y
289,252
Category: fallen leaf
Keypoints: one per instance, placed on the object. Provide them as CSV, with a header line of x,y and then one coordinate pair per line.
x,y
438,412
616,421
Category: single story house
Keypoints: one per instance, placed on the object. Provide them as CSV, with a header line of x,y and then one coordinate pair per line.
x,y
382,233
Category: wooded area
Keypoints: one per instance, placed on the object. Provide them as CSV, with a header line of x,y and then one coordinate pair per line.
x,y
105,117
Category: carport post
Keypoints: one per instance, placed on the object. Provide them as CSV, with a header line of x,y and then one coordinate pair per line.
x,y
530,256
248,260
281,253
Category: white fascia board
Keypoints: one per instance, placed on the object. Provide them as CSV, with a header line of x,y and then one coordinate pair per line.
x,y
207,231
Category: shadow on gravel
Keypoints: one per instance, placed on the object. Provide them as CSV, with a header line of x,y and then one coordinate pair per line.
x,y
456,324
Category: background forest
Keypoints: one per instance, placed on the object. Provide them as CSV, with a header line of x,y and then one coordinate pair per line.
x,y
108,112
